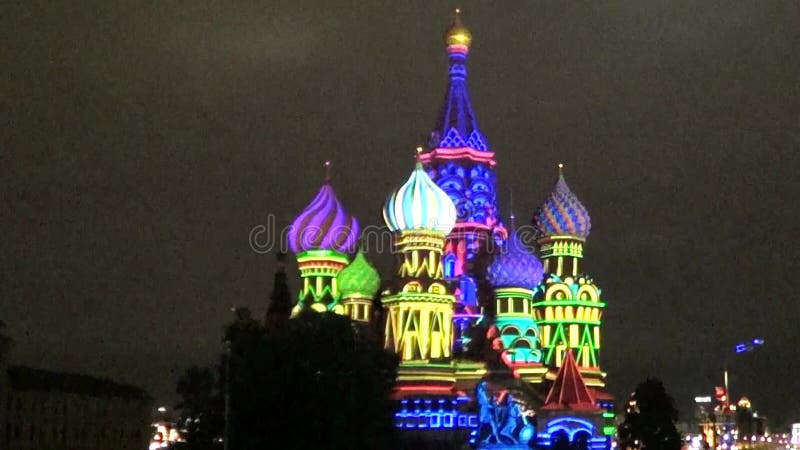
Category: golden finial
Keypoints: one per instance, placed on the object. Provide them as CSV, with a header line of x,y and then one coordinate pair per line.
x,y
560,169
457,33
327,170
418,156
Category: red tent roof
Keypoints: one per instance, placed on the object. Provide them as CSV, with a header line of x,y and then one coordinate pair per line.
x,y
569,391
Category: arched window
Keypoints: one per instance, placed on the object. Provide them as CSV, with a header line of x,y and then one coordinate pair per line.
x,y
449,265
522,343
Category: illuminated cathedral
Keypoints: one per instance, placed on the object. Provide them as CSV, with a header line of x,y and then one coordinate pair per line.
x,y
465,281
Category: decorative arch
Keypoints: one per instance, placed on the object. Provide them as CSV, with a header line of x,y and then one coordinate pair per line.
x,y
437,288
413,286
571,426
522,343
588,292
558,292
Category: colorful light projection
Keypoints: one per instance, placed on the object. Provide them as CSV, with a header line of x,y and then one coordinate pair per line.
x,y
358,284
571,415
435,413
562,214
460,162
569,316
574,430
420,204
568,308
419,307
321,237
514,274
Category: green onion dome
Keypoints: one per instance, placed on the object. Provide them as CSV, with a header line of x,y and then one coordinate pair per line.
x,y
359,279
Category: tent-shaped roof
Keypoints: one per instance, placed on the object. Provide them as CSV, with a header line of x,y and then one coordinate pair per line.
x,y
569,391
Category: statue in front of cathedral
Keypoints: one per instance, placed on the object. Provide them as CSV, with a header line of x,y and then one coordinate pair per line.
x,y
501,423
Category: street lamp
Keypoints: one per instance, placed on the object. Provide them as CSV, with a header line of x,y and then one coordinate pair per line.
x,y
740,348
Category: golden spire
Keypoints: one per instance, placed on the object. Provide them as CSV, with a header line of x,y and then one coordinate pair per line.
x,y
457,33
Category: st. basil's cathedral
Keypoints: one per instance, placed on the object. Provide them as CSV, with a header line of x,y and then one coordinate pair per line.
x,y
465,280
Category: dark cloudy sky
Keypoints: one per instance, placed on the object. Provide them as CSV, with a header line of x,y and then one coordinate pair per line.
x,y
141,141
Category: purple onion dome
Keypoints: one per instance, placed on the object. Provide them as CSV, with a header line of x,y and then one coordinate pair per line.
x,y
515,266
324,225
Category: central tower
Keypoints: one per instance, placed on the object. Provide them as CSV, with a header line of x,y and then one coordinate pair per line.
x,y
458,158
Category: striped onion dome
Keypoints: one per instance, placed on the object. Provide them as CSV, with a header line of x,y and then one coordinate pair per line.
x,y
359,279
515,266
562,213
324,225
420,204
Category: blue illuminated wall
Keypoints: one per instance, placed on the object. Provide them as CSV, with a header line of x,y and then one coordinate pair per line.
x,y
435,413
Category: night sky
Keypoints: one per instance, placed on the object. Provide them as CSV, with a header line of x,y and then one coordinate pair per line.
x,y
142,141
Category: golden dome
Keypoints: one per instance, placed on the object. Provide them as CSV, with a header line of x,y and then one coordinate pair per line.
x,y
457,33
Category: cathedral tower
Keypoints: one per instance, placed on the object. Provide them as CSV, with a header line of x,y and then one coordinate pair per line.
x,y
321,237
358,284
514,274
419,307
568,309
458,158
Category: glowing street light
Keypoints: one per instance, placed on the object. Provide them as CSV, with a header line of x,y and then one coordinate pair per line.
x,y
743,347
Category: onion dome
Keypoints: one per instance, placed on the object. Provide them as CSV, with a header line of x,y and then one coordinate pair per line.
x,y
562,214
420,204
515,266
324,224
457,33
359,279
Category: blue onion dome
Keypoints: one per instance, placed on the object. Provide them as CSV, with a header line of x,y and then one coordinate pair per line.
x,y
420,204
562,214
324,224
359,279
515,266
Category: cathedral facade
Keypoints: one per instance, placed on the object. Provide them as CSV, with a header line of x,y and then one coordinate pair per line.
x,y
498,339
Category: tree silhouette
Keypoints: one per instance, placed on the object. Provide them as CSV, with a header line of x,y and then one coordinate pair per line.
x,y
650,419
314,380
5,343
201,408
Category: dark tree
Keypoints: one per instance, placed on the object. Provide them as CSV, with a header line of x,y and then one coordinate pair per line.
x,y
201,408
314,381
650,419
280,301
